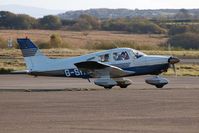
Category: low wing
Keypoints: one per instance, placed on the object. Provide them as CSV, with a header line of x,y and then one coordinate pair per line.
x,y
98,69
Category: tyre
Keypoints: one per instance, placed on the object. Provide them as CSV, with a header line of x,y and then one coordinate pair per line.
x,y
123,86
108,87
159,86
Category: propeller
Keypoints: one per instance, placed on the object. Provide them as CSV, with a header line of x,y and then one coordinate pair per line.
x,y
172,61
174,69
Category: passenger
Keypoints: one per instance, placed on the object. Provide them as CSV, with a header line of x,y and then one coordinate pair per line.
x,y
101,58
115,56
121,56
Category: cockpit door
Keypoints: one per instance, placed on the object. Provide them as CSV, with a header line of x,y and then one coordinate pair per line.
x,y
121,59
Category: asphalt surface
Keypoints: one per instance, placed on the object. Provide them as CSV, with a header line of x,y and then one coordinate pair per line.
x,y
17,82
85,108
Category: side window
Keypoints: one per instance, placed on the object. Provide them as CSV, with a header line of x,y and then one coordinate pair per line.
x,y
118,56
104,58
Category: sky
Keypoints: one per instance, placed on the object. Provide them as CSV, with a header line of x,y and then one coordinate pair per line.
x,y
88,4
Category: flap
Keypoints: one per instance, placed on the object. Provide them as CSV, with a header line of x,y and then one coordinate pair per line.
x,y
98,69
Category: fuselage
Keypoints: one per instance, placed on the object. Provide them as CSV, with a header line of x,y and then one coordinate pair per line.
x,y
124,58
108,67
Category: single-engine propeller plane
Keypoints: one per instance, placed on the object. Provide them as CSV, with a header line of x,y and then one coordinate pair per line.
x,y
109,68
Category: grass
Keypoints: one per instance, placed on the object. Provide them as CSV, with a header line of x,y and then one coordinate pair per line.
x,y
188,54
5,70
80,40
79,43
11,59
101,45
185,70
64,52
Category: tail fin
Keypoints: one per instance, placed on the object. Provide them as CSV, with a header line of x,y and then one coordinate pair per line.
x,y
34,59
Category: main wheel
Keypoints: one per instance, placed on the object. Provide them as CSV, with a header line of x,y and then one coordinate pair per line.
x,y
108,87
159,86
123,86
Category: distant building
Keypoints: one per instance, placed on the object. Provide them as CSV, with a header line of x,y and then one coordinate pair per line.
x,y
10,44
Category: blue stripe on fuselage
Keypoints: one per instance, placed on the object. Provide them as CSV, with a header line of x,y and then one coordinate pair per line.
x,y
153,69
76,73
139,70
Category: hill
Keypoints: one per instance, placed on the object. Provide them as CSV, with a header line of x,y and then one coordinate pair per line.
x,y
104,13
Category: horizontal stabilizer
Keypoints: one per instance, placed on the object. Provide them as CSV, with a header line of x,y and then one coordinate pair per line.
x,y
20,72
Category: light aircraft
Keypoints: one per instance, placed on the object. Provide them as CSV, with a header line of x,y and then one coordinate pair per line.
x,y
107,67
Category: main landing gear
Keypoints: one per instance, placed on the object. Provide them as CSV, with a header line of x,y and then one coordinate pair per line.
x,y
109,83
123,83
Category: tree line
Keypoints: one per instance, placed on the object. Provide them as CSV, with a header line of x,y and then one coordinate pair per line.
x,y
10,20
182,34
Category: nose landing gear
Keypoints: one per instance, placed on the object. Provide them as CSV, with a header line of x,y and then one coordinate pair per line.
x,y
157,81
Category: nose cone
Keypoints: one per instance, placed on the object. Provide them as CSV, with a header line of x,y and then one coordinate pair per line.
x,y
173,60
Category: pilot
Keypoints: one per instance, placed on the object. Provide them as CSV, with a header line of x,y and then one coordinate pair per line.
x,y
123,56
126,56
137,55
106,58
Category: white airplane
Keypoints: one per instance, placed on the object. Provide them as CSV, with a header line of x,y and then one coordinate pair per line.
x,y
108,67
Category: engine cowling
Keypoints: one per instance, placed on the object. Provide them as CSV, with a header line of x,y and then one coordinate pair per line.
x,y
157,81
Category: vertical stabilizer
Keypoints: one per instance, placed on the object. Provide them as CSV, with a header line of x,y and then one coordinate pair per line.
x,y
34,59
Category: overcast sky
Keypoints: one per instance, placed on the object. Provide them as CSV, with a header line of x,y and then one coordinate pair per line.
x,y
87,4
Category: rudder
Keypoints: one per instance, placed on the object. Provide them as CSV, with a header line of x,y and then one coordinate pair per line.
x,y
34,59
27,47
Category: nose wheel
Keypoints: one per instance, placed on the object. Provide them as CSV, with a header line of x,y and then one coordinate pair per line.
x,y
157,81
108,87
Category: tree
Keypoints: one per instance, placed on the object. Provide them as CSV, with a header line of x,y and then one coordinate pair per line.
x,y
6,19
50,22
13,21
55,41
115,25
183,14
178,29
24,22
185,40
145,28
86,22
139,26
